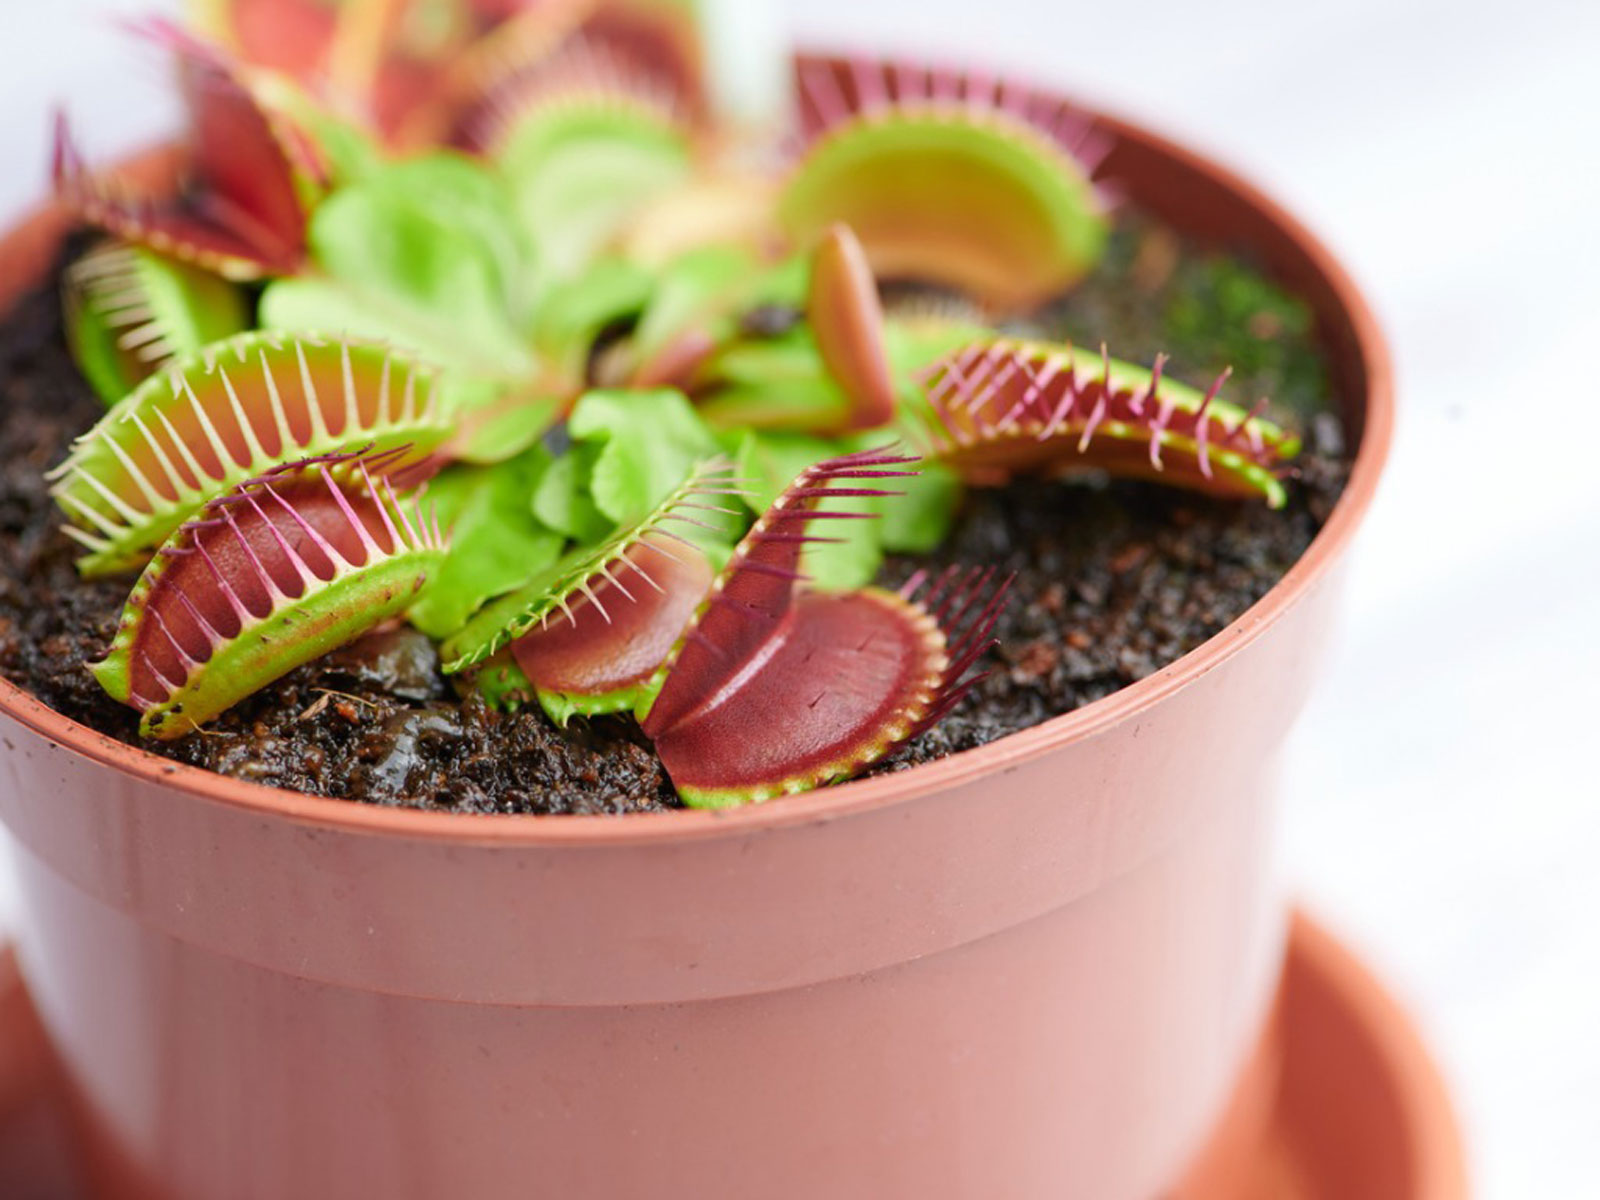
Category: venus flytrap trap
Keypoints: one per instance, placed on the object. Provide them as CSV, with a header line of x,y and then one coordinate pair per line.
x,y
777,688
649,382
275,572
590,634
649,50
582,161
948,178
373,60
658,39
1006,407
846,318
253,176
227,414
131,312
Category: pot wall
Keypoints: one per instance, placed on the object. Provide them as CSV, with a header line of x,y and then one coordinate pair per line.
x,y
1029,971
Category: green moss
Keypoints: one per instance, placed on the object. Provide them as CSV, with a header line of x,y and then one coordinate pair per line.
x,y
1204,307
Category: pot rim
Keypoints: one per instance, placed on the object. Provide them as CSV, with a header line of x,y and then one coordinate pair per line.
x,y
846,799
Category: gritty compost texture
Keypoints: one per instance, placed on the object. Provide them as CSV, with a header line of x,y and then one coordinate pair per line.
x,y
1113,580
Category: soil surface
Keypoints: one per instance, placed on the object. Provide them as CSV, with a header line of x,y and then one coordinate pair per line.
x,y
1114,581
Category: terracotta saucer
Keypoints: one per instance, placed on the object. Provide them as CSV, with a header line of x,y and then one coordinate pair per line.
x,y
1342,1103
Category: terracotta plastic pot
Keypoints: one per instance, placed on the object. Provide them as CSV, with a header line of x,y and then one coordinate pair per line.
x,y
1341,1101
1031,971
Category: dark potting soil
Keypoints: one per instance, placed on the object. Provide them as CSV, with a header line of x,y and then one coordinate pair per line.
x,y
1114,580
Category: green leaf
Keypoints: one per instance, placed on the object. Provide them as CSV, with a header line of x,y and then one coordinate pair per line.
x,y
917,522
498,419
420,255
472,200
496,545
351,154
572,315
708,291
769,462
562,500
648,444
697,290
915,344
578,172
502,683
774,384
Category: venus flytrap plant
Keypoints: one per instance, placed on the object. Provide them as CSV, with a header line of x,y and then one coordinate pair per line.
x,y
228,414
811,392
131,312
579,104
274,573
648,381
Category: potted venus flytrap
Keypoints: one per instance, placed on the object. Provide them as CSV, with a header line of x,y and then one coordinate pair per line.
x,y
480,328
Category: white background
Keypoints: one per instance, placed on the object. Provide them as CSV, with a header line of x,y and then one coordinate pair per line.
x,y
1442,809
